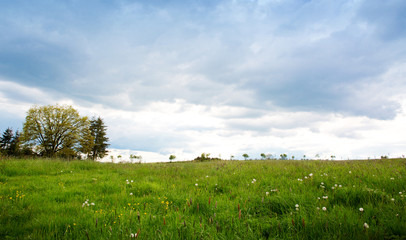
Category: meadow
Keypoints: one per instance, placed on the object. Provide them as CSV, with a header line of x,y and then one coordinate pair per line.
x,y
269,199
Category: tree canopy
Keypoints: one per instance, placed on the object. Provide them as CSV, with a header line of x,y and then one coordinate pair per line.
x,y
56,130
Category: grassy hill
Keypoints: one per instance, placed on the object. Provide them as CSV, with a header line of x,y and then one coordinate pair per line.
x,y
55,199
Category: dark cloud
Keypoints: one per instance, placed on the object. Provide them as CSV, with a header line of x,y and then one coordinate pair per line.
x,y
296,55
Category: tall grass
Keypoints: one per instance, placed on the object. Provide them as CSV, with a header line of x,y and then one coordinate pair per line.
x,y
55,199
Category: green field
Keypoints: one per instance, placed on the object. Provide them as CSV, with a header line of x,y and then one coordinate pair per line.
x,y
275,199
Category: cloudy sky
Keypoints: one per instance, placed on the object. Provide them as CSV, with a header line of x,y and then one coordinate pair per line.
x,y
301,77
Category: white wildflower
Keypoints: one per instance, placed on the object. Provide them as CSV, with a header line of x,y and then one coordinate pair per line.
x,y
311,174
366,225
297,205
349,172
361,209
92,204
267,193
324,209
196,184
131,193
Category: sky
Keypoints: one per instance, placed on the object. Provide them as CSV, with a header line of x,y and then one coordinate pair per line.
x,y
301,77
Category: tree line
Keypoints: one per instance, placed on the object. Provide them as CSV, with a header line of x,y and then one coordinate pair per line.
x,y
56,131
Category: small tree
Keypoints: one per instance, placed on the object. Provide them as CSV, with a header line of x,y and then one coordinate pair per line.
x,y
134,157
263,156
10,142
171,158
100,139
284,156
245,156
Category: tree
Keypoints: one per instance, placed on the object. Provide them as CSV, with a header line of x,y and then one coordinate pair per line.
x,y
100,139
136,157
56,131
10,142
263,155
172,157
245,156
284,156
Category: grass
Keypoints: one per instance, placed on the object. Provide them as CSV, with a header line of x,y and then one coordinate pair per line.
x,y
55,199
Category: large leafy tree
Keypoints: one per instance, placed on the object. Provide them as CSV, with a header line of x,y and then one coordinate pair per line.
x,y
99,135
56,130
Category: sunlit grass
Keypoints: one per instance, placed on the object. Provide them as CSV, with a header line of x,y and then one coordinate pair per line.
x,y
55,199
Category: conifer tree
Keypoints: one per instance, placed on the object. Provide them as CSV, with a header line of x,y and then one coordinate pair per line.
x,y
98,132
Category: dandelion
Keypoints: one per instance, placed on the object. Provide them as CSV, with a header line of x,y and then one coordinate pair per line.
x,y
196,184
131,193
297,205
400,193
366,225
322,183
311,175
132,181
361,209
332,188
324,209
340,186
